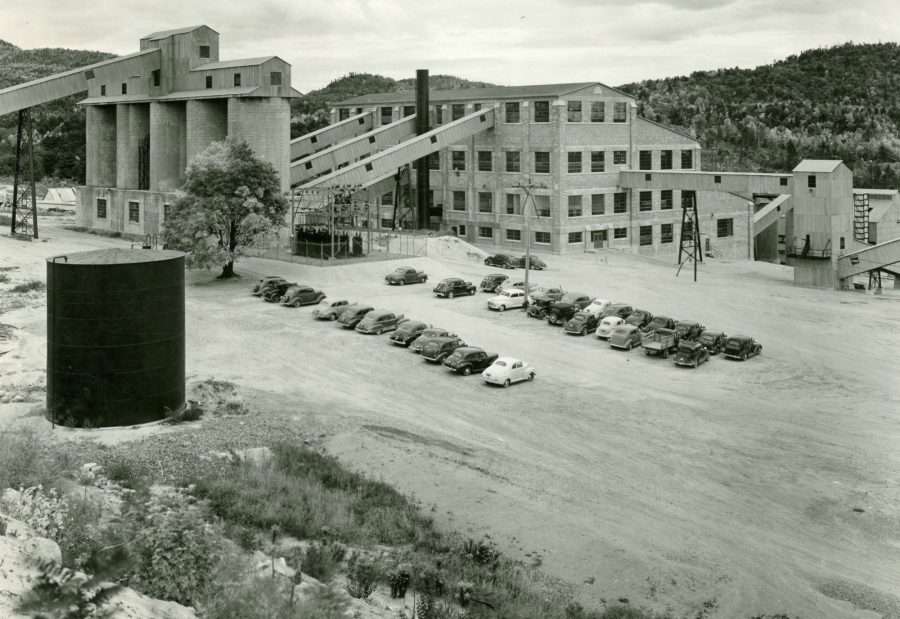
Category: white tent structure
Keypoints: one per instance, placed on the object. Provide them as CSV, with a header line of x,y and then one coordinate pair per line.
x,y
60,198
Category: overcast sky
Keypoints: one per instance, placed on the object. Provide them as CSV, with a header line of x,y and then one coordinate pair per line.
x,y
500,41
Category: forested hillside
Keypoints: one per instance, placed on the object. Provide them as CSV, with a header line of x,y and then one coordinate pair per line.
x,y
59,125
839,103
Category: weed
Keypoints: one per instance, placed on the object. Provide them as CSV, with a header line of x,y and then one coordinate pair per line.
x,y
30,285
191,411
362,577
321,560
4,278
61,594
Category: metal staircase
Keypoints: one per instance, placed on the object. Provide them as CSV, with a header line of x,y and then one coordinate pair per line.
x,y
861,217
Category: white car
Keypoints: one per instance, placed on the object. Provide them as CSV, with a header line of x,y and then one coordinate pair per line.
x,y
597,306
607,326
512,297
519,285
506,371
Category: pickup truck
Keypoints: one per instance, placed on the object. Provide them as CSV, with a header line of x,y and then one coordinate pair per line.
x,y
570,304
660,342
539,302
405,275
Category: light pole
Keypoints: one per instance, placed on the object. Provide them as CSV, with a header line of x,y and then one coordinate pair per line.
x,y
527,188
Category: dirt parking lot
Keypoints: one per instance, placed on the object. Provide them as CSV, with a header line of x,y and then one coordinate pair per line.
x,y
737,489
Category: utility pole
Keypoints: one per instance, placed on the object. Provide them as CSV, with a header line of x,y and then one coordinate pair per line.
x,y
528,188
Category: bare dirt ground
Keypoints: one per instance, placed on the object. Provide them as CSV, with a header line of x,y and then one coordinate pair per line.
x,y
737,489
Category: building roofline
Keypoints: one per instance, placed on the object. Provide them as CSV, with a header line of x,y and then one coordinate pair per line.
x,y
237,62
680,132
164,34
476,94
184,95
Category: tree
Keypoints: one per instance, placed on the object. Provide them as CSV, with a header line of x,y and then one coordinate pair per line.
x,y
229,201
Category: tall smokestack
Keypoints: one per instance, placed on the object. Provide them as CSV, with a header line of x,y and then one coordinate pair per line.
x,y
423,188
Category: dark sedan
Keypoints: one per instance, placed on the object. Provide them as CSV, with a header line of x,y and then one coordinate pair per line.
x,y
352,316
275,290
467,359
639,318
691,354
426,336
260,287
534,263
439,348
453,287
492,282
582,323
659,322
503,261
742,347
295,296
407,332
570,304
713,340
617,309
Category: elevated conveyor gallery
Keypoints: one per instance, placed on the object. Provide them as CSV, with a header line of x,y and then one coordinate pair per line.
x,y
326,137
68,83
769,214
385,163
352,150
876,257
745,184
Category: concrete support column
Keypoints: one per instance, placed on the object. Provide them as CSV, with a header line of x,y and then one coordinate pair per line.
x,y
100,146
265,124
206,121
168,152
132,126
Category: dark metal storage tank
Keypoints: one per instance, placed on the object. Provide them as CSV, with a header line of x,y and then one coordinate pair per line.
x,y
115,336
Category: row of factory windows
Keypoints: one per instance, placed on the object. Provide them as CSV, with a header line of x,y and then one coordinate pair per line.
x,y
578,162
156,78
134,210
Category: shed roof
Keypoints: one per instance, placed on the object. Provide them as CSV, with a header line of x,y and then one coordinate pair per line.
x,y
207,93
238,62
477,94
881,208
163,34
818,165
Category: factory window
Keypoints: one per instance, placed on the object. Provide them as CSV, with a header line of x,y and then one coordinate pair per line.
x,y
461,230
134,211
513,161
541,111
438,114
434,161
387,199
620,157
646,235
665,233
359,111
237,80
575,162
485,202
275,78
645,160
620,233
665,160
476,106
843,244
598,161
485,232
645,201
542,238
408,110
783,181
576,237
717,179
209,81
343,113
204,51
124,88
513,234
665,199
542,205
725,228
485,161
598,111
512,111
103,90
542,162
155,76
687,159
101,208
457,111
598,204
459,200
687,199
458,160
387,222
575,206
387,115
620,204
513,204
89,74
620,112
574,111
811,181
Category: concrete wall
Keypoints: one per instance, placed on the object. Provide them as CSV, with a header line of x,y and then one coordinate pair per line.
x,y
100,167
150,210
206,122
265,124
132,125
168,145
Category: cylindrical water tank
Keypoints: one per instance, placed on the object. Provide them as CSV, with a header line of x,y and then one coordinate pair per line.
x,y
115,336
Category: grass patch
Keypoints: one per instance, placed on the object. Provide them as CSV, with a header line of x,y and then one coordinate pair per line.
x,y
4,278
29,286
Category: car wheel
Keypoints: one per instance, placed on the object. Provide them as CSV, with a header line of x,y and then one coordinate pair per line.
x,y
743,356
450,295
506,383
665,354
502,308
628,347
584,331
531,376
466,371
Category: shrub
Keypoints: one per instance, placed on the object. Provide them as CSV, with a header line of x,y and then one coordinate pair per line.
x,y
125,472
28,286
362,577
59,593
321,560
191,411
45,511
25,460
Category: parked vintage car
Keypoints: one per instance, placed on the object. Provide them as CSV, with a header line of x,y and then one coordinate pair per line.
x,y
379,321
407,332
329,310
506,371
259,287
540,301
659,322
519,285
467,359
405,275
273,292
598,306
607,325
617,309
295,296
570,304
713,340
427,335
582,323
659,342
453,287
639,318
625,337
688,330
504,261
534,263
352,316
691,354
741,347
507,299
492,282
439,348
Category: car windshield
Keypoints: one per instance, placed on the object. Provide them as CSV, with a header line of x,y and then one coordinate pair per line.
x,y
569,297
502,364
622,330
432,332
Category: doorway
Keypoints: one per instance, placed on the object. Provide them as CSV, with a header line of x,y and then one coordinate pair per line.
x,y
599,238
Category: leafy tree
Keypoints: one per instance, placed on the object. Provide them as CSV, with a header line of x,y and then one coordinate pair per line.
x,y
230,199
